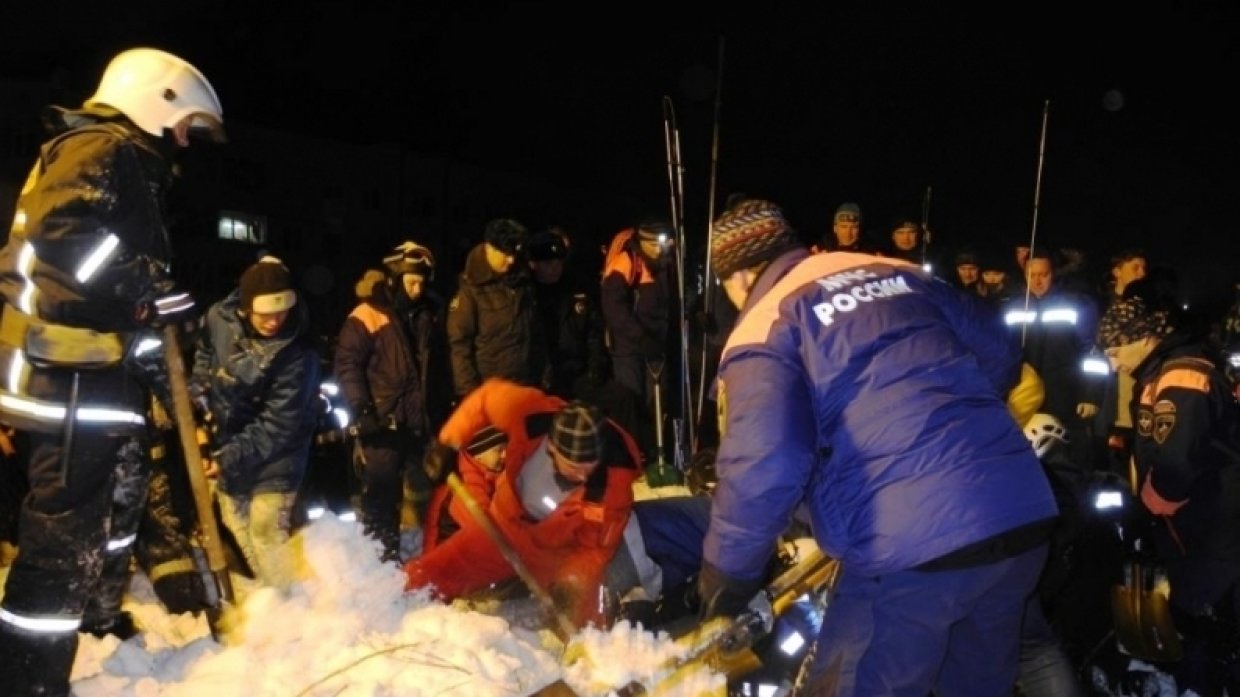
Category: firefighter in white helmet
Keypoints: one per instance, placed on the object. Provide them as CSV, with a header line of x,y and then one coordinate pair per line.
x,y
86,281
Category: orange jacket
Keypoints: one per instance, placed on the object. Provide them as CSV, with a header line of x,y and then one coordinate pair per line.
x,y
569,548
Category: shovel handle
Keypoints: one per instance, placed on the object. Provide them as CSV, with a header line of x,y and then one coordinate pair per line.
x,y
563,627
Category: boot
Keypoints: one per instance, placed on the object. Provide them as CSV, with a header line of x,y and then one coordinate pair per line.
x,y
120,625
34,664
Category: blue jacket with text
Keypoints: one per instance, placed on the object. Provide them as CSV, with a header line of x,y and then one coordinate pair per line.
x,y
873,394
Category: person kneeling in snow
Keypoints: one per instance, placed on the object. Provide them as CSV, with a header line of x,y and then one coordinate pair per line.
x,y
562,500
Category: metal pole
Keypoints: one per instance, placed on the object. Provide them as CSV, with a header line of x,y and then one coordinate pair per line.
x,y
1037,202
675,173
708,282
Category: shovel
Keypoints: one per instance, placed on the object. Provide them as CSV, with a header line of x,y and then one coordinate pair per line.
x,y
1140,609
220,591
659,474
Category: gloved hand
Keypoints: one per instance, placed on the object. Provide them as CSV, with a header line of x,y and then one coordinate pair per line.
x,y
439,461
650,346
181,592
723,595
1085,410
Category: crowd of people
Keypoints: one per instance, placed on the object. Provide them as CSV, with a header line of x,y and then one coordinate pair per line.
x,y
882,400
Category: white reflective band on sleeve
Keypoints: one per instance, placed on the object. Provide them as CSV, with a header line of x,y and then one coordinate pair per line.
x,y
96,258
19,220
122,543
17,364
25,262
44,625
1065,315
52,412
169,304
1020,317
1092,365
147,344
1234,360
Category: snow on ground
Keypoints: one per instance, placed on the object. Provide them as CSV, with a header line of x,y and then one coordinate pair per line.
x,y
349,629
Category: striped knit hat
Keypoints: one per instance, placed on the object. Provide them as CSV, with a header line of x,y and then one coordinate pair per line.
x,y
752,232
489,437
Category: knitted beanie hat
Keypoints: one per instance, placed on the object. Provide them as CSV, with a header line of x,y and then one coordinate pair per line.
x,y
749,234
489,437
267,287
1129,320
575,433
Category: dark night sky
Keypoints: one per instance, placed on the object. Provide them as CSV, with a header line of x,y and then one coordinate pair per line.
x,y
818,106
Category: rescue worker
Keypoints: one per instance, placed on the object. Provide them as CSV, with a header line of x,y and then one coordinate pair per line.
x,y
872,394
381,377
636,297
1187,454
85,272
562,500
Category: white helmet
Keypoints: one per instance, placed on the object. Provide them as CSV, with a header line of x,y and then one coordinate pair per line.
x,y
156,90
1044,432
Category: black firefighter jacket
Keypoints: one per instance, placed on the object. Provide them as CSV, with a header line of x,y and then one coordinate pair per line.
x,y
88,250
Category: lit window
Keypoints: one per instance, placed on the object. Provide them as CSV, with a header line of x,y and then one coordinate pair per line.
x,y
243,227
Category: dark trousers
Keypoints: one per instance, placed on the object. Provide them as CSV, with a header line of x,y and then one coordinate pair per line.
x,y
908,633
76,530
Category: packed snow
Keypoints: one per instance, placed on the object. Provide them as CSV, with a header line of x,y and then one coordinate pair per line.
x,y
349,629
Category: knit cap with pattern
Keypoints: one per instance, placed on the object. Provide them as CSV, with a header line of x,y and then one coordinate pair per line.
x,y
575,433
752,232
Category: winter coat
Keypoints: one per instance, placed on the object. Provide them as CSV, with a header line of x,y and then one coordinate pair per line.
x,y
569,547
873,394
95,196
1187,447
262,394
376,367
1059,330
493,328
636,297
423,320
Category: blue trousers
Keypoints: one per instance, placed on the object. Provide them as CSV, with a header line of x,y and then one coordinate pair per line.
x,y
910,633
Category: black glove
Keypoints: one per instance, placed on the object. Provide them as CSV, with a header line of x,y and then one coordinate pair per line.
x,y
181,592
723,595
439,461
650,346
367,423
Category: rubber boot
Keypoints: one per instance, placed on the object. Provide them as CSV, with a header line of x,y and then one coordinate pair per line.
x,y
34,664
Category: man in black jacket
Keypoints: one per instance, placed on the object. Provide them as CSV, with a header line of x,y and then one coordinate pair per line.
x,y
493,327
